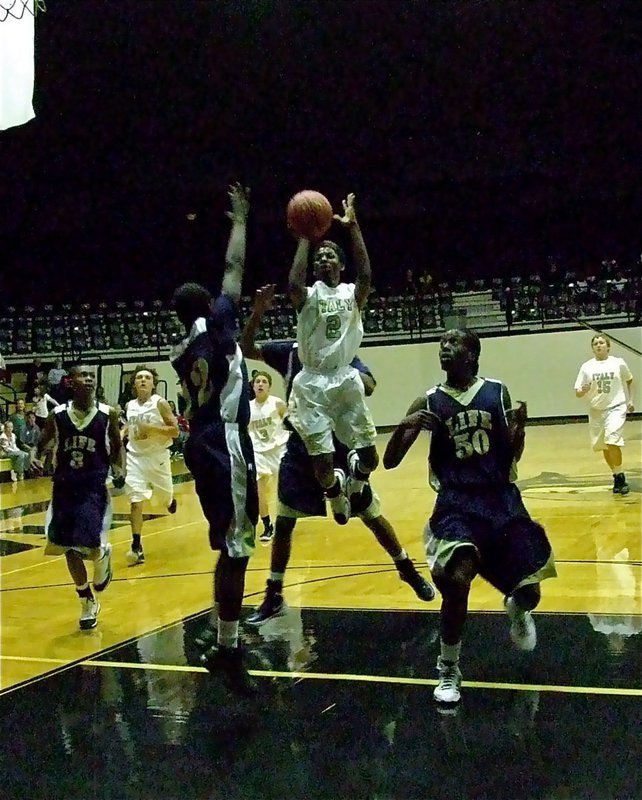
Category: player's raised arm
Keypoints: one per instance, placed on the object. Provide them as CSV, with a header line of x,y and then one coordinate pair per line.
x,y
359,252
296,280
417,419
235,254
263,300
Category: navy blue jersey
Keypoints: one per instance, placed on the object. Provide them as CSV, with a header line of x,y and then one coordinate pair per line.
x,y
82,448
284,358
472,447
210,366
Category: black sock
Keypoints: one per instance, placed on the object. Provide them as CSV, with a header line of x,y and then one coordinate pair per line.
x,y
136,545
266,521
334,490
360,474
86,593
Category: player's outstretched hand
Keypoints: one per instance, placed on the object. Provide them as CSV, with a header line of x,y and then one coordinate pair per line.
x,y
240,201
517,417
264,298
422,420
349,212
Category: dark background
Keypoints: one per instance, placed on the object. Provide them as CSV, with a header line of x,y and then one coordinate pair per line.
x,y
479,137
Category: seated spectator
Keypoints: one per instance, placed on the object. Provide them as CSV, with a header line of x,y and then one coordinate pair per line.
x,y
9,448
31,437
18,420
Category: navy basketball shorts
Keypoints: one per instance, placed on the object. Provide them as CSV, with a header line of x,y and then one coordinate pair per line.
x,y
221,459
512,549
299,492
79,516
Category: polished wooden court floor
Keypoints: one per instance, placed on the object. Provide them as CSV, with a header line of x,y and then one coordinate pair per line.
x,y
347,673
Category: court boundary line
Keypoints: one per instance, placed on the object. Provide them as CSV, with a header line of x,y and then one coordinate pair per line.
x,y
67,665
400,680
384,567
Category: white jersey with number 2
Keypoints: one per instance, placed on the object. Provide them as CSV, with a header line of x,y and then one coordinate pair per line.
x,y
329,327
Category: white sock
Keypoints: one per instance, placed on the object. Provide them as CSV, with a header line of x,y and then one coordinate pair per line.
x,y
514,609
228,633
277,576
450,652
401,557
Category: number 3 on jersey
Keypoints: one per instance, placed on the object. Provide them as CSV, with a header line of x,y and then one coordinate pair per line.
x,y
471,442
77,458
333,327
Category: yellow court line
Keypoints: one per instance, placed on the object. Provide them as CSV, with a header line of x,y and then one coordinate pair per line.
x,y
328,676
52,559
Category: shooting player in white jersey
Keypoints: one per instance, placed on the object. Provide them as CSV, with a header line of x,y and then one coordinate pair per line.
x,y
328,394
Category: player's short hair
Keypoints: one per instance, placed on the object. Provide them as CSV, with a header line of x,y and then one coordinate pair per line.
x,y
143,368
259,373
604,336
76,366
333,246
191,301
472,342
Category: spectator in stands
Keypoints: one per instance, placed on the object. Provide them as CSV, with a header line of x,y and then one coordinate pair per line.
x,y
42,402
127,392
4,372
410,285
425,284
31,436
18,420
178,445
10,448
509,306
36,374
56,375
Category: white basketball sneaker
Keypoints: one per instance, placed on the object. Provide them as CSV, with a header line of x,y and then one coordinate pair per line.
x,y
340,504
522,626
447,690
89,609
102,569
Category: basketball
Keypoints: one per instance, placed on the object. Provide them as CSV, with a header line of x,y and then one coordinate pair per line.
x,y
309,215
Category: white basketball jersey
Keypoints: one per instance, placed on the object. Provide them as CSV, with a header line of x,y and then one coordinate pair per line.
x,y
266,425
145,412
607,379
329,327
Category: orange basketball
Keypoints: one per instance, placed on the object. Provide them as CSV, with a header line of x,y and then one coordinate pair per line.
x,y
309,214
